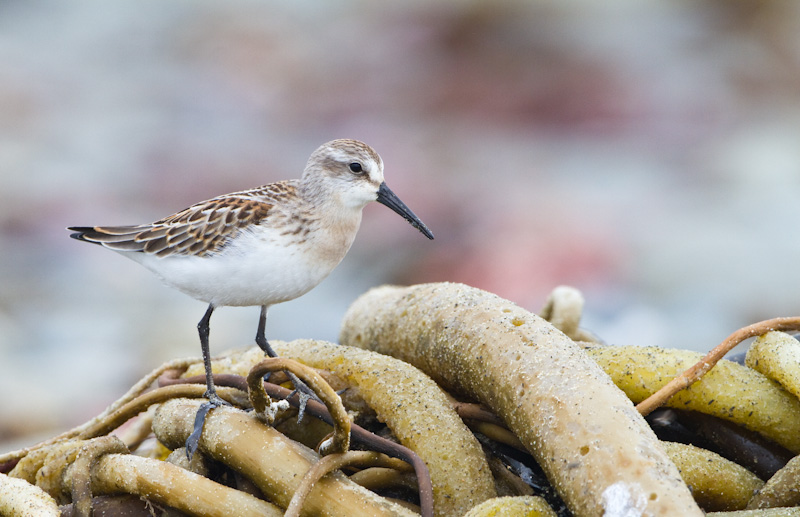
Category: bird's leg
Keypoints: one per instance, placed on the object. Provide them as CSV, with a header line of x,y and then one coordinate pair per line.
x,y
261,333
203,329
214,400
303,391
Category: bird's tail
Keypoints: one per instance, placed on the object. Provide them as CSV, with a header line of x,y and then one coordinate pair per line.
x,y
117,238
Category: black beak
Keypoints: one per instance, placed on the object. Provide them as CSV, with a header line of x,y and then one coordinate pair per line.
x,y
387,197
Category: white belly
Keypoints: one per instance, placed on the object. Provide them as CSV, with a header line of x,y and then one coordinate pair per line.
x,y
258,269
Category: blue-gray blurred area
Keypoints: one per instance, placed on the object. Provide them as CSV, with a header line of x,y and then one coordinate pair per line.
x,y
645,153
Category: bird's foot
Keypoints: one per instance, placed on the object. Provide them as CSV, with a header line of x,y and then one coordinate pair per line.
x,y
303,392
303,399
193,441
215,400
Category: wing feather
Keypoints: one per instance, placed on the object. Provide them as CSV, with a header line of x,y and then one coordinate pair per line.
x,y
198,230
153,234
155,245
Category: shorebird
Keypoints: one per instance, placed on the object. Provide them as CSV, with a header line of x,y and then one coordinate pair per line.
x,y
262,246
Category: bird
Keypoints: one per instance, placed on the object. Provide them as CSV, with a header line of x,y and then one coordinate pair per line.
x,y
261,246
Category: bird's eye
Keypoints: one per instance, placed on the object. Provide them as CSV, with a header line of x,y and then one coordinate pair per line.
x,y
356,167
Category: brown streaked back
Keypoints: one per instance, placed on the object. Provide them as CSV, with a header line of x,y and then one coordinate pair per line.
x,y
199,230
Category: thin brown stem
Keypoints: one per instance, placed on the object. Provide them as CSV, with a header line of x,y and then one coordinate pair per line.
x,y
328,464
81,469
471,411
702,367
340,441
129,410
358,433
8,460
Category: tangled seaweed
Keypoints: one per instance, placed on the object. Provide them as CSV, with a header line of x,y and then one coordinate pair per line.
x,y
458,403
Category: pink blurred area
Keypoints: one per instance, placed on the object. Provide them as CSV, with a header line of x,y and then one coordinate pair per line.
x,y
645,154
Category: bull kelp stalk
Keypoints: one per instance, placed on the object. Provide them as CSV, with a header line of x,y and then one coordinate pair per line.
x,y
596,449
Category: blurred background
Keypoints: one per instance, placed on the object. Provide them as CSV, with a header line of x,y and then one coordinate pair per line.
x,y
648,155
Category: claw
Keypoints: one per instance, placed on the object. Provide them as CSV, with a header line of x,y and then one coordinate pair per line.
x,y
303,399
215,400
304,394
200,418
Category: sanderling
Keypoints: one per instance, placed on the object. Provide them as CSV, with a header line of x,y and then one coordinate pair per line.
x,y
261,246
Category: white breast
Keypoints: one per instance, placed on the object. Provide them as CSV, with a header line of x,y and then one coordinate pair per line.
x,y
260,267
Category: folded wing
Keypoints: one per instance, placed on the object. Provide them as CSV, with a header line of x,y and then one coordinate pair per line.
x,y
201,229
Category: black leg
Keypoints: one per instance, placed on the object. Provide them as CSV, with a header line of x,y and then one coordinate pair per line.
x,y
203,329
261,335
303,391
